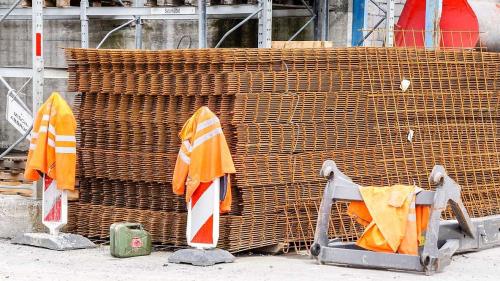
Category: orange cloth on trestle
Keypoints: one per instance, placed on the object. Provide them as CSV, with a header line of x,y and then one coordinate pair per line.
x,y
203,156
53,145
392,223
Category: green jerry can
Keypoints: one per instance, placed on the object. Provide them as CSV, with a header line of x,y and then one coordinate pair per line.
x,y
129,240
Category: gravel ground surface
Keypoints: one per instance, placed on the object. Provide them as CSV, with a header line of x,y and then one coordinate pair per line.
x,y
28,263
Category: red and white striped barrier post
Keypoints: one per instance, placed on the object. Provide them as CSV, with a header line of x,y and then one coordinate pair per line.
x,y
203,216
54,206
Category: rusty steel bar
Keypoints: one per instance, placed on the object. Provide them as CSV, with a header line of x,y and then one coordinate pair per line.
x,y
283,111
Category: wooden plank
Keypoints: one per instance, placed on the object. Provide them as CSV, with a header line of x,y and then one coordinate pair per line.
x,y
301,44
63,3
13,191
12,176
15,188
14,162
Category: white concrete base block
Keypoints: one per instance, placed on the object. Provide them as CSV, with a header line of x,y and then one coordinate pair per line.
x,y
19,215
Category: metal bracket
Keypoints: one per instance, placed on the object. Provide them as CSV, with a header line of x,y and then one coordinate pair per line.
x,y
447,191
443,239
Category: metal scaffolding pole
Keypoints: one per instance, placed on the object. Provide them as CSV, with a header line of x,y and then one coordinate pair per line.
x,y
389,24
155,13
265,23
357,22
38,65
321,22
138,26
84,23
432,19
202,24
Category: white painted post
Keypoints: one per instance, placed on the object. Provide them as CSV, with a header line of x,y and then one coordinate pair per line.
x,y
265,23
389,28
37,50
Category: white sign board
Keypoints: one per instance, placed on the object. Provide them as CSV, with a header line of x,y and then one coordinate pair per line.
x,y
173,11
18,116
54,205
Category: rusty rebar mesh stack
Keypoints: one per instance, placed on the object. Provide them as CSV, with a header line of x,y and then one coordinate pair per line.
x,y
283,111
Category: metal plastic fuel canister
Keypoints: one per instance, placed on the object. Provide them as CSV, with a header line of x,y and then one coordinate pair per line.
x,y
129,240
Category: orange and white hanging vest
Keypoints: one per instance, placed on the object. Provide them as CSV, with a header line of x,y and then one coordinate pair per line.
x,y
203,157
392,222
53,145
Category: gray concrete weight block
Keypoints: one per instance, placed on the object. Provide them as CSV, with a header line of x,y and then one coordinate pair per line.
x,y
200,257
61,242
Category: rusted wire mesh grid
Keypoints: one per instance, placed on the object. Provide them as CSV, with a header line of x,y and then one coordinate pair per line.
x,y
283,111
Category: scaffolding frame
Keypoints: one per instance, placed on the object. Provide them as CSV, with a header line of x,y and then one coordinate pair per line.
x,y
263,11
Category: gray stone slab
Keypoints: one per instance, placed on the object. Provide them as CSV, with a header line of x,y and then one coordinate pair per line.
x,y
19,215
61,242
200,257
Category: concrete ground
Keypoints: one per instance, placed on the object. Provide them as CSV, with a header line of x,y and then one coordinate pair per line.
x,y
28,263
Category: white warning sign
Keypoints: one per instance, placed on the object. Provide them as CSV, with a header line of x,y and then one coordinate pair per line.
x,y
18,116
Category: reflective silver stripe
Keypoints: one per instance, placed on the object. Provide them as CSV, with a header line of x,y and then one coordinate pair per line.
x,y
207,136
42,129
51,142
65,138
207,123
187,144
45,117
32,146
52,130
184,157
412,217
65,149
34,135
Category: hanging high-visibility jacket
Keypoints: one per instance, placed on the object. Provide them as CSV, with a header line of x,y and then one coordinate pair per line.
x,y
203,156
53,145
392,223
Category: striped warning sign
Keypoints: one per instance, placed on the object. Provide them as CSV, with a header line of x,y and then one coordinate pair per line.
x,y
203,216
54,206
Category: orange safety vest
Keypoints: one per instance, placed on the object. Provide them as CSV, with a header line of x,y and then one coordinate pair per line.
x,y
203,156
53,145
392,223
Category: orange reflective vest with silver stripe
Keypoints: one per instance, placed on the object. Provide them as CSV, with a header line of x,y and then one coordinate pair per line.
x,y
392,222
203,156
53,144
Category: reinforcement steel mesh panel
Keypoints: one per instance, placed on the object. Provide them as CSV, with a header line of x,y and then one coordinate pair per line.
x,y
283,111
